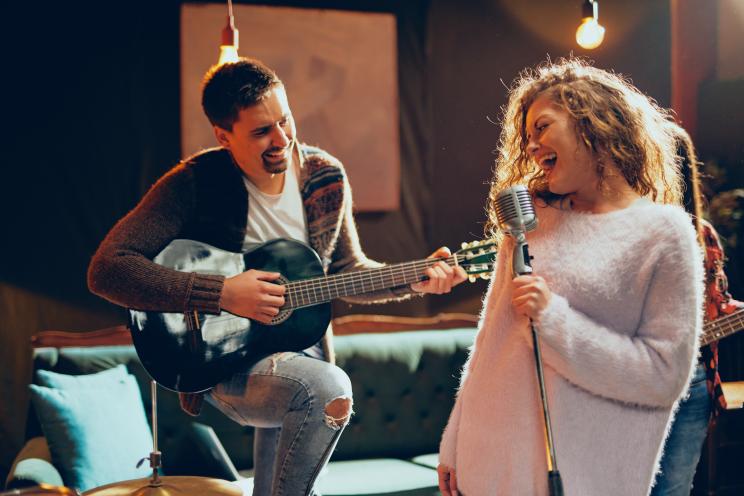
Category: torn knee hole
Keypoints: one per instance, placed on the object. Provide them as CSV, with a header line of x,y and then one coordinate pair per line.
x,y
337,412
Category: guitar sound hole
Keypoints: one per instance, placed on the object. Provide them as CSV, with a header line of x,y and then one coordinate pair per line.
x,y
283,313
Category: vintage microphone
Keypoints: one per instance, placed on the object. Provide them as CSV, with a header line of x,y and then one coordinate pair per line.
x,y
516,216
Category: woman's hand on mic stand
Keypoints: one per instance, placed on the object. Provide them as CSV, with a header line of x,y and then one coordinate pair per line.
x,y
530,295
447,480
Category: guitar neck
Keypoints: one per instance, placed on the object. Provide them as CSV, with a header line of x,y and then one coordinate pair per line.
x,y
318,290
722,327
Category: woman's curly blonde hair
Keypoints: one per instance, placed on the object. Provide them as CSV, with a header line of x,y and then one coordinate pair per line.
x,y
613,119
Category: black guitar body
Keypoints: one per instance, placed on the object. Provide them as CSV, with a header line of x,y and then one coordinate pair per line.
x,y
194,352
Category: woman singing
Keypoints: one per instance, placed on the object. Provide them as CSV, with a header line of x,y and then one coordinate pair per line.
x,y
616,295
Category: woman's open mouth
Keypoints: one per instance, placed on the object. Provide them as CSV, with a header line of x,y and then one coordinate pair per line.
x,y
547,162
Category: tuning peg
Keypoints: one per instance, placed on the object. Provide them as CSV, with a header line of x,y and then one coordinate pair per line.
x,y
463,245
471,278
485,275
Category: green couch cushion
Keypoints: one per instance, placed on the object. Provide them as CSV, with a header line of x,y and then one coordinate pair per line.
x,y
431,460
95,427
404,387
381,477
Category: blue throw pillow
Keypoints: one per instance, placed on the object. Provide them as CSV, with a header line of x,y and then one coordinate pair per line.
x,y
95,426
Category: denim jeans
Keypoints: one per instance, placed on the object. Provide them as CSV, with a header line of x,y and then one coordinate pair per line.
x,y
685,441
284,396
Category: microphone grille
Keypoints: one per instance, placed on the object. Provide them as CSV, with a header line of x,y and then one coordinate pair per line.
x,y
514,209
506,208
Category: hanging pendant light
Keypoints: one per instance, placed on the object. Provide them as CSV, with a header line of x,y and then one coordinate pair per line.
x,y
229,44
590,33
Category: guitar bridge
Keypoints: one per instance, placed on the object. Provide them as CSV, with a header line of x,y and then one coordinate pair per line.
x,y
194,327
192,320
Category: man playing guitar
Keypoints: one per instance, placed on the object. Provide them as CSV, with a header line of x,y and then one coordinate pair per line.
x,y
260,184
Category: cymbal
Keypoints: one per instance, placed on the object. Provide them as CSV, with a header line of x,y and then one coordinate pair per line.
x,y
41,489
170,486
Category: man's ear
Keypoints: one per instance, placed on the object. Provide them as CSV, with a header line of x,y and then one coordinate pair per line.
x,y
221,136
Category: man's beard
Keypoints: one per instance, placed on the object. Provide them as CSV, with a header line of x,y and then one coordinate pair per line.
x,y
276,167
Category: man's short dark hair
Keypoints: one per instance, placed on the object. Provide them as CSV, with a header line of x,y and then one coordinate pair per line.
x,y
229,88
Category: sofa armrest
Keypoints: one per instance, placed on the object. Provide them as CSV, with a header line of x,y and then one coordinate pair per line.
x,y
110,336
33,466
375,323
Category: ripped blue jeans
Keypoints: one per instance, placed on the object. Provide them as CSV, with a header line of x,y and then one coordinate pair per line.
x,y
285,397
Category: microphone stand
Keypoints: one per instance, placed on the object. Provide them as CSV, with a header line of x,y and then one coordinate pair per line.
x,y
521,266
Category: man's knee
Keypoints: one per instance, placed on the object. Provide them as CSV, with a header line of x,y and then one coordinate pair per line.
x,y
337,412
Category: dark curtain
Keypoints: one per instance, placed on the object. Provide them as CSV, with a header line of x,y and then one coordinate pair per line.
x,y
92,105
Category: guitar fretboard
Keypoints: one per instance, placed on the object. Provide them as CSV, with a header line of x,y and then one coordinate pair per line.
x,y
323,289
722,327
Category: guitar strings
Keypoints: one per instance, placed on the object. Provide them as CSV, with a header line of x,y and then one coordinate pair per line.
x,y
723,326
337,282
307,290
334,287
407,268
363,274
728,320
323,281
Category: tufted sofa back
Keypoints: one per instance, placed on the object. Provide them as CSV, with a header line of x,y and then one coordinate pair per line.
x,y
404,385
403,382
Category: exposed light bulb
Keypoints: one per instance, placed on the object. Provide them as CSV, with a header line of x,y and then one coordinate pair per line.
x,y
590,33
228,53
229,44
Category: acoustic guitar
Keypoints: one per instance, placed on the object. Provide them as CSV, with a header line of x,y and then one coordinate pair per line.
x,y
192,352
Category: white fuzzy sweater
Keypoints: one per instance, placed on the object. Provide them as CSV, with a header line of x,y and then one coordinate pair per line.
x,y
618,341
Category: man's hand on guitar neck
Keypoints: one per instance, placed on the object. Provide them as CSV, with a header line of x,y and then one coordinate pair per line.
x,y
442,276
251,294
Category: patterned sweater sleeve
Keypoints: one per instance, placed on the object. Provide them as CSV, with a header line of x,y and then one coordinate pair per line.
x,y
122,270
651,366
349,256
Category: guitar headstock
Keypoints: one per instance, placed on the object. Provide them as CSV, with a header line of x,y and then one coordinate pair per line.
x,y
477,258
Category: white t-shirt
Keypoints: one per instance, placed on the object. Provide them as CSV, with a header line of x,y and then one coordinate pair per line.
x,y
275,216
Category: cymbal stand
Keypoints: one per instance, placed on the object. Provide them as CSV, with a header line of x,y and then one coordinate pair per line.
x,y
155,456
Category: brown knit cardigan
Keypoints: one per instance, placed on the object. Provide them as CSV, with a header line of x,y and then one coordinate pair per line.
x,y
204,198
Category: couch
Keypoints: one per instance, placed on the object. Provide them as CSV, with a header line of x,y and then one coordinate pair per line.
x,y
404,373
